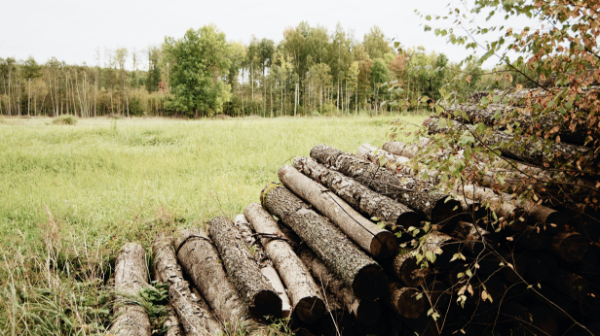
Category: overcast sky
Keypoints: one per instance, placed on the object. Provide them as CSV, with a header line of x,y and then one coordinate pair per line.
x,y
72,30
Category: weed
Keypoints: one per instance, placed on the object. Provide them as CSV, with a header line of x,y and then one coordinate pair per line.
x,y
65,120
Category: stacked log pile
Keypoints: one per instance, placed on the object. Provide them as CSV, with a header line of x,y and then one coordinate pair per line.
x,y
364,245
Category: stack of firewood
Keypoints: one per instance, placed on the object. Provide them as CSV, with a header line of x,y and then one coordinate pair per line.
x,y
363,245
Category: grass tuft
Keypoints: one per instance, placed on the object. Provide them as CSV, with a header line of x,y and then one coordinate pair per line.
x,y
65,120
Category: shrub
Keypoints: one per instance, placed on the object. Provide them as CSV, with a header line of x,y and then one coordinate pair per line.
x,y
65,120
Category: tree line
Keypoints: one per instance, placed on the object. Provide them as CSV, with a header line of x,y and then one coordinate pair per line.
x,y
309,72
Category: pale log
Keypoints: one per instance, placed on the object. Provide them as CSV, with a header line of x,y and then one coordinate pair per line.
x,y
243,271
130,277
377,242
306,299
366,278
411,191
195,315
200,260
365,200
271,274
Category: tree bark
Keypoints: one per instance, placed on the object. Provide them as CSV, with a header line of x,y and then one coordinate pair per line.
x,y
570,246
365,311
534,152
411,191
406,150
379,243
194,314
487,116
404,301
404,267
306,299
173,323
341,255
368,202
130,277
243,271
200,260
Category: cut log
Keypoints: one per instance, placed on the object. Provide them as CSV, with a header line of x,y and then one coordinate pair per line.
x,y
200,260
194,314
549,219
366,278
371,153
243,271
509,215
571,284
473,237
172,323
407,150
404,267
531,238
336,321
379,243
403,300
130,277
570,246
265,264
365,311
271,274
442,246
409,190
535,152
363,199
487,115
306,299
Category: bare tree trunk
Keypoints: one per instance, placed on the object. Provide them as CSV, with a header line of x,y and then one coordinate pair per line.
x,y
303,291
130,277
365,311
359,271
202,263
379,243
245,275
194,314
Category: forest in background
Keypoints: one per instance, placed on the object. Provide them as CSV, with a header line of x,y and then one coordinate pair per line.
x,y
309,72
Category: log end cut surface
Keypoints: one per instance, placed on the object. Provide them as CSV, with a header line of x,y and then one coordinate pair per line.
x,y
444,210
266,303
310,309
370,283
384,245
409,219
368,312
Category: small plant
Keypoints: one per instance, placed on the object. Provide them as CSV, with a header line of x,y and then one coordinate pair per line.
x,y
65,120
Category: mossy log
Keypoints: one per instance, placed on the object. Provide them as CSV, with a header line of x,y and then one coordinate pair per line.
x,y
366,278
200,260
243,271
377,242
195,315
365,200
365,311
130,277
411,191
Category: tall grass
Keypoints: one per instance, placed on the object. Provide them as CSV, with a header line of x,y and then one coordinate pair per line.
x,y
71,196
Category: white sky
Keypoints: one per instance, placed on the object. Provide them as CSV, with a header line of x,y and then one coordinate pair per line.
x,y
72,30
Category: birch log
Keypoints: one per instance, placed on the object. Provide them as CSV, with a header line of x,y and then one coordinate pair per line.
x,y
130,277
379,243
340,254
200,260
195,315
363,199
243,271
411,191
306,299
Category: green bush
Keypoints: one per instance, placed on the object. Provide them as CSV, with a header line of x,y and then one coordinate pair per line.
x,y
65,120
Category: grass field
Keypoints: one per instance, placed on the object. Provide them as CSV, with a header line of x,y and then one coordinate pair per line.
x,y
86,188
